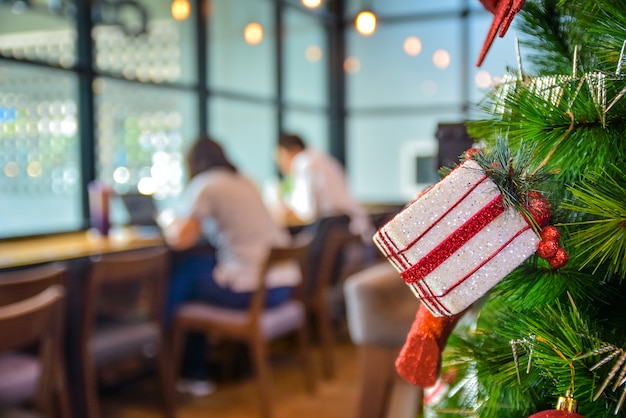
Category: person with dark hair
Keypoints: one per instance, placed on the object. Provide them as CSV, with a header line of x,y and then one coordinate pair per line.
x,y
226,209
315,187
315,194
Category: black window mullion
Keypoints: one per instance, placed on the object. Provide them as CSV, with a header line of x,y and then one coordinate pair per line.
x,y
336,40
279,54
86,106
202,57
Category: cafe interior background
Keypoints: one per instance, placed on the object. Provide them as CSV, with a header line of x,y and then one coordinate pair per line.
x,y
116,91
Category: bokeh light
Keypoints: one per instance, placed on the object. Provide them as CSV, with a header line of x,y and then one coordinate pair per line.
x,y
313,53
412,46
180,9
365,22
441,59
351,65
483,79
253,33
311,4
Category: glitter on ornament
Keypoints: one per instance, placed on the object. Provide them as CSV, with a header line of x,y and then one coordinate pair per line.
x,y
457,240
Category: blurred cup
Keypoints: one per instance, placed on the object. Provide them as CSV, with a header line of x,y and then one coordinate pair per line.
x,y
99,195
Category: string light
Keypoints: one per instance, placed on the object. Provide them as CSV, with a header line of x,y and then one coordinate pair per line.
x,y
365,22
253,33
311,4
180,9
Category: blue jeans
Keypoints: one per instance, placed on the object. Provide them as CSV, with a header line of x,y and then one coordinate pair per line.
x,y
192,279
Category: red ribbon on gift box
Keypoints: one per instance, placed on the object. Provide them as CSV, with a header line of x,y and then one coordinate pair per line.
x,y
398,255
415,274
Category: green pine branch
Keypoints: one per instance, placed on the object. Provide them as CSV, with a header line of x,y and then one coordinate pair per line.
x,y
548,37
569,119
566,120
604,24
601,235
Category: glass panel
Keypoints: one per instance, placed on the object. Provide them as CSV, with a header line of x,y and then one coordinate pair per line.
x,y
234,64
35,32
311,126
39,151
142,134
502,54
390,158
248,133
148,45
305,58
381,73
402,7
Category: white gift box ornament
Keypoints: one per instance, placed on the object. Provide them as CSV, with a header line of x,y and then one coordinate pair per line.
x,y
456,241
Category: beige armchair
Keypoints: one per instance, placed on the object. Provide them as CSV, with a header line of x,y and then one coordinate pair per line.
x,y
380,310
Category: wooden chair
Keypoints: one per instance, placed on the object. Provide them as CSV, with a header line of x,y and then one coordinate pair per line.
x,y
16,285
35,321
123,319
256,327
327,289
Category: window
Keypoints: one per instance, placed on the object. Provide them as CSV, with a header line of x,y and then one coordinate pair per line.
x,y
40,181
251,69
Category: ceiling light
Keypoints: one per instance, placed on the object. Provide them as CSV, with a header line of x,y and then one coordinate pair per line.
x,y
253,33
181,9
311,4
365,22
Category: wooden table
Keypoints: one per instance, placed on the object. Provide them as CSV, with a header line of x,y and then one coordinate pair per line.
x,y
74,245
75,250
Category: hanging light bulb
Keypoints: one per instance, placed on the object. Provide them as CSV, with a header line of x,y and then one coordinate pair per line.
x,y
253,33
311,4
180,9
365,22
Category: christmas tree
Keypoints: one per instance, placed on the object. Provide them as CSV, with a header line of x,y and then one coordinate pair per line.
x,y
550,330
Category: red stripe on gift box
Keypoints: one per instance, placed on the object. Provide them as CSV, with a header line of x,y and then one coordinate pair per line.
x,y
433,301
453,242
397,255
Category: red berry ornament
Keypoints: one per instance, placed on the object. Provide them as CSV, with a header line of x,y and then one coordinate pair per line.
x,y
554,413
470,153
547,249
566,407
539,207
550,233
559,260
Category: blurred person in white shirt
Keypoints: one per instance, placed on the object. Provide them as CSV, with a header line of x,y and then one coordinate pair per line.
x,y
315,192
315,186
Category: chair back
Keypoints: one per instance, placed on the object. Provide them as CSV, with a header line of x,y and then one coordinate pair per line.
x,y
331,270
296,253
30,320
123,318
126,286
21,284
37,321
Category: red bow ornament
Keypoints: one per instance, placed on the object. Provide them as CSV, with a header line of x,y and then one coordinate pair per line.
x,y
503,13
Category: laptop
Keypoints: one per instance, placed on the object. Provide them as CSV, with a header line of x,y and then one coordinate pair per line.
x,y
142,210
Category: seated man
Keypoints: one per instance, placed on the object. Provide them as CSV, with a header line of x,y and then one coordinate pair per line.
x,y
315,192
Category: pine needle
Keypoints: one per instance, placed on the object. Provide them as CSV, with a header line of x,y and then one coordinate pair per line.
x,y
601,235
